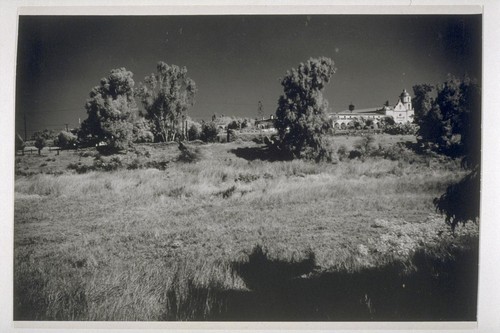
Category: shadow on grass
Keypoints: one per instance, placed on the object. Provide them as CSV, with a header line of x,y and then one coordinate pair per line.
x,y
435,288
430,286
261,153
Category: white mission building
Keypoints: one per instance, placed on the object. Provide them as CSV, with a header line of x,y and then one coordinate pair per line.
x,y
402,113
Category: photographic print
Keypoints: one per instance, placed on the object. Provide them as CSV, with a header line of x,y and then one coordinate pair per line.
x,y
247,167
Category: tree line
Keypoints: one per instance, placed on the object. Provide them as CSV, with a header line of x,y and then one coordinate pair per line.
x,y
447,119
115,122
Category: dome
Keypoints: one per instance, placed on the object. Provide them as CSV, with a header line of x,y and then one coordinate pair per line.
x,y
404,93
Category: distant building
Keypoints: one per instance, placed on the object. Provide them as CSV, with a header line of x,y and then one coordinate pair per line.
x,y
402,113
265,123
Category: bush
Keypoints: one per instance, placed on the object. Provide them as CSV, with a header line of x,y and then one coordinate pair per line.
x,y
189,154
366,144
396,152
231,135
342,152
247,177
105,164
142,131
40,143
135,164
234,125
209,132
80,168
355,154
258,140
66,140
401,129
193,133
460,202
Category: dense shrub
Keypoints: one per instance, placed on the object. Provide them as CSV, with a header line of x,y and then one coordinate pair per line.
x,y
66,140
189,154
231,135
193,133
108,164
396,152
40,143
234,125
135,164
247,177
143,131
401,129
80,168
355,154
342,152
160,165
209,132
460,203
365,145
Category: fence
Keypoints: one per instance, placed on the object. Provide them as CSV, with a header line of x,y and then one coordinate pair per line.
x,y
31,150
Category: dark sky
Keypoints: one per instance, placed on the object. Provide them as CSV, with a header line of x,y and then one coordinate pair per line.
x,y
237,60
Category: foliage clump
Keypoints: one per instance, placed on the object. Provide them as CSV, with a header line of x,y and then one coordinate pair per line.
x,y
40,142
450,124
189,154
166,97
401,129
193,133
301,117
209,132
110,108
66,140
142,131
460,203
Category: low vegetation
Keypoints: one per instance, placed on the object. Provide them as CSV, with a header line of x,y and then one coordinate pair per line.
x,y
197,232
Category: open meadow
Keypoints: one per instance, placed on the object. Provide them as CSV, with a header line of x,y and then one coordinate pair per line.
x,y
229,233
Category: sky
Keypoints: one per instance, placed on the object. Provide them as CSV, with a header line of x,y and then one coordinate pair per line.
x,y
236,60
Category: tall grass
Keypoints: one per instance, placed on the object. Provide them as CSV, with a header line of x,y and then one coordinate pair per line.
x,y
149,244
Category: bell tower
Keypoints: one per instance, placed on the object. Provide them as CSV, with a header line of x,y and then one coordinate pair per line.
x,y
405,98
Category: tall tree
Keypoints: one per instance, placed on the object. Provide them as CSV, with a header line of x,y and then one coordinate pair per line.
x,y
452,126
111,108
422,100
166,97
40,142
301,117
452,122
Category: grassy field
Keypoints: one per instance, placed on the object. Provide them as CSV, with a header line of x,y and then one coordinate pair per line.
x,y
235,236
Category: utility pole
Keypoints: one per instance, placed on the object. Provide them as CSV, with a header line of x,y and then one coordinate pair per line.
x,y
260,110
25,131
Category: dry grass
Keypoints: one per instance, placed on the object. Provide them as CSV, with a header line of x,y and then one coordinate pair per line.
x,y
134,244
